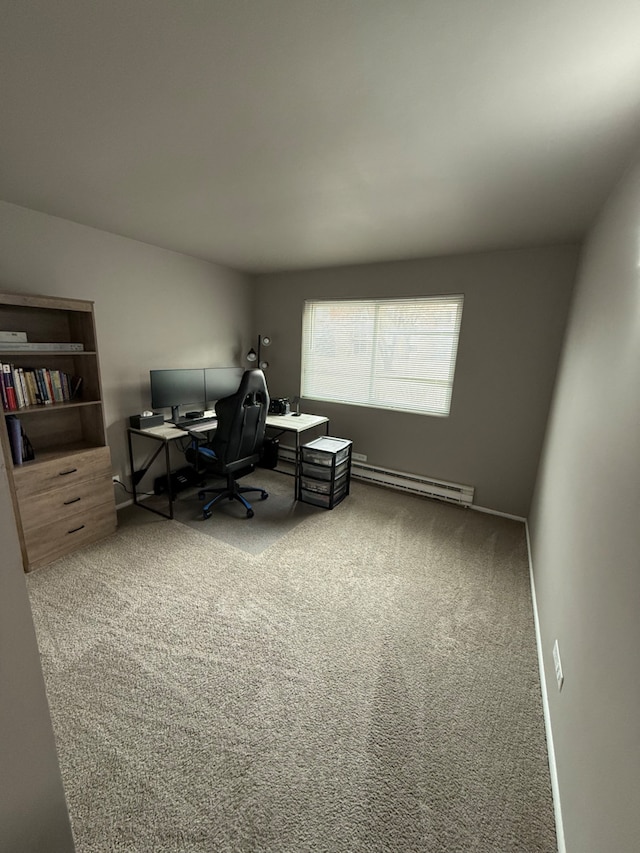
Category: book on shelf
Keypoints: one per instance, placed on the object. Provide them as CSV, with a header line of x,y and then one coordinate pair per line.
x,y
23,346
28,453
34,394
9,389
19,389
56,382
14,428
12,337
42,385
3,393
49,385
21,448
75,387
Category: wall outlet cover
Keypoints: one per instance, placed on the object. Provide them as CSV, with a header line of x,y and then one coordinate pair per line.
x,y
558,665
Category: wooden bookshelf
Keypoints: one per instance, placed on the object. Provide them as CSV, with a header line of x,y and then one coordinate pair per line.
x,y
63,498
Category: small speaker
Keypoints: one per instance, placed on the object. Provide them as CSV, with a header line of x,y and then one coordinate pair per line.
x,y
146,421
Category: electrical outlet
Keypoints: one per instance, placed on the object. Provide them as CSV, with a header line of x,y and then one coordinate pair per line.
x,y
359,457
115,478
558,665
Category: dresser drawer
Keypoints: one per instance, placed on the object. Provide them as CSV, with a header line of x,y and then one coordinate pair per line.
x,y
60,504
37,477
50,541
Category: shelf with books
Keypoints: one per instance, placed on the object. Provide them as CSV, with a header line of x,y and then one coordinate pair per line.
x,y
22,387
44,408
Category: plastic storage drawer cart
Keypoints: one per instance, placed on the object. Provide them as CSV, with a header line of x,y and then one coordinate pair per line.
x,y
324,471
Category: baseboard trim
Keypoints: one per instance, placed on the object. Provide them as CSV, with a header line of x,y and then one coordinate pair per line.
x,y
555,786
497,512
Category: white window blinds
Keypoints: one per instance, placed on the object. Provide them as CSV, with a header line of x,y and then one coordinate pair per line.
x,y
388,353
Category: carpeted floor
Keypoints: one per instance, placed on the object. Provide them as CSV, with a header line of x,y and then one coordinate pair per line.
x,y
274,517
366,682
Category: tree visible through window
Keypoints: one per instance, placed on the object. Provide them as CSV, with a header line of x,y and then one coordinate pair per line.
x,y
387,353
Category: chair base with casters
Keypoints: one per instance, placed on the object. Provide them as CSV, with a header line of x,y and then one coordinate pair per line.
x,y
232,491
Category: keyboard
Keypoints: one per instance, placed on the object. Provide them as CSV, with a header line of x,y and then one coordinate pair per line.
x,y
200,423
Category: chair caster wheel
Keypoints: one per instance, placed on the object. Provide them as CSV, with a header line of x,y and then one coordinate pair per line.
x,y
249,513
207,513
264,496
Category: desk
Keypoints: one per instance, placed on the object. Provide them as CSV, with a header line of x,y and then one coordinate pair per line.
x,y
166,434
297,424
163,436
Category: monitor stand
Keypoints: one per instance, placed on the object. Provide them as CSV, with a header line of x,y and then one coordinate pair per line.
x,y
175,414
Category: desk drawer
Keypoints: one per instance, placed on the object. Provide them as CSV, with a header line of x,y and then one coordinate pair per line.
x,y
324,472
37,477
323,451
50,541
323,487
318,499
60,504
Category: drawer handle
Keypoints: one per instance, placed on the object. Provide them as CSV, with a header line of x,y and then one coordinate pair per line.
x,y
75,529
64,473
72,501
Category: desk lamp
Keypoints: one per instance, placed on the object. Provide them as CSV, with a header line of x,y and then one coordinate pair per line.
x,y
252,355
296,403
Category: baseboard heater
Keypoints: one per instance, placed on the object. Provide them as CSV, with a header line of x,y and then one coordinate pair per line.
x,y
415,483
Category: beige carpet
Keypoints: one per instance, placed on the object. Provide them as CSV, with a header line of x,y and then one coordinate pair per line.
x,y
367,683
274,517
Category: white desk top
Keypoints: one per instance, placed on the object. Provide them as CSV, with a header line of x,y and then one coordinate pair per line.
x,y
295,423
289,423
169,432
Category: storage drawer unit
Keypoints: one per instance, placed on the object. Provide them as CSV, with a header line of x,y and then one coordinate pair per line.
x,y
324,471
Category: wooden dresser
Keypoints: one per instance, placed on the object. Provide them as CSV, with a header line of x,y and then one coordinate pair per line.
x,y
63,497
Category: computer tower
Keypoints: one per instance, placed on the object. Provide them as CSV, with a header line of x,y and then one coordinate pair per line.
x,y
178,481
269,453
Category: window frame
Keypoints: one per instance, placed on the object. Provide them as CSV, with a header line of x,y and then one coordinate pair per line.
x,y
376,377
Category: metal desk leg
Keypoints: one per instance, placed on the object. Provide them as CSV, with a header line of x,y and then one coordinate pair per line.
x,y
167,461
135,480
133,477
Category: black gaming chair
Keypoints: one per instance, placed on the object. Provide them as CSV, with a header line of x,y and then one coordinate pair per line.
x,y
235,447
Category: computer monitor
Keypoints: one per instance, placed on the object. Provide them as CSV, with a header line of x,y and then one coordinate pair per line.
x,y
192,386
220,382
175,388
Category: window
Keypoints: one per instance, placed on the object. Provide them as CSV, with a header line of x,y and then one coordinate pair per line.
x,y
388,353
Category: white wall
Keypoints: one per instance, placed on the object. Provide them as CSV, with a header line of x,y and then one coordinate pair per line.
x,y
33,811
585,535
154,308
515,310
